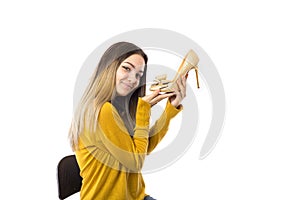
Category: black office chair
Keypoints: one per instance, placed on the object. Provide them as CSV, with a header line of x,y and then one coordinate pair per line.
x,y
68,177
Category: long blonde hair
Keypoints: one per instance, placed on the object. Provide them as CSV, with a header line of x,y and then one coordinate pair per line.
x,y
101,89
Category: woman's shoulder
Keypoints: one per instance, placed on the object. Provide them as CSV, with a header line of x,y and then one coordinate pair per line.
x,y
107,105
108,112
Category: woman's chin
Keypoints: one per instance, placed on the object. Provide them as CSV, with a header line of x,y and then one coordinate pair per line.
x,y
123,93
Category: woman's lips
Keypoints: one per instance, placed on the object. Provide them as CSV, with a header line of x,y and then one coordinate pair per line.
x,y
127,85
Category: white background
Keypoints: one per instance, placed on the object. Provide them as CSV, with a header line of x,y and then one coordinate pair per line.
x,y
255,46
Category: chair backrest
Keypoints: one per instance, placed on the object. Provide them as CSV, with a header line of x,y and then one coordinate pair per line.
x,y
68,177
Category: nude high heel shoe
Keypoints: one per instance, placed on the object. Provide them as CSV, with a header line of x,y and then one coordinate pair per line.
x,y
189,62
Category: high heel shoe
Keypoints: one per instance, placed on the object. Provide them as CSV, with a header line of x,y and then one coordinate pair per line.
x,y
189,62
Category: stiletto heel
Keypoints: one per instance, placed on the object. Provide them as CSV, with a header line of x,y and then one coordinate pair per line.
x,y
196,72
189,62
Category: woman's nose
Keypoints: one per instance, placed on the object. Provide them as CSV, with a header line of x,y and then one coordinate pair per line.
x,y
132,77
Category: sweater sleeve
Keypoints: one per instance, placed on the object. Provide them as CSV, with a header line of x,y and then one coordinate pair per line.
x,y
130,152
161,126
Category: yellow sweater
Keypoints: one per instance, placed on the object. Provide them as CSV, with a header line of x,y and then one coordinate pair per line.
x,y
110,160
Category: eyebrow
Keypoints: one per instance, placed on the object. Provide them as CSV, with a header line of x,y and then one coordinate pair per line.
x,y
133,66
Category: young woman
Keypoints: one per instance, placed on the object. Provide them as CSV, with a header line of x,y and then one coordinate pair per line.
x,y
110,131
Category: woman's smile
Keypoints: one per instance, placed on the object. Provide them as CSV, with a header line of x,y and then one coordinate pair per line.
x,y
127,85
129,74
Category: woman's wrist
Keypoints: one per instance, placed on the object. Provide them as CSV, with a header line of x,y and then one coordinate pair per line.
x,y
143,113
171,110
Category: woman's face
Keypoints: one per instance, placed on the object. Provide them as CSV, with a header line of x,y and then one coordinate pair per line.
x,y
129,73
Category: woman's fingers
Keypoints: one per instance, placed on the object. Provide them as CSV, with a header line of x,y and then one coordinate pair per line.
x,y
160,97
180,91
155,97
153,94
149,97
182,86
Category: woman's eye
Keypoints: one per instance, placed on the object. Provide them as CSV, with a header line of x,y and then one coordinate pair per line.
x,y
126,68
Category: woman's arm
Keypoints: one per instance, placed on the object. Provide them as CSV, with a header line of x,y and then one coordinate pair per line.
x,y
130,152
161,126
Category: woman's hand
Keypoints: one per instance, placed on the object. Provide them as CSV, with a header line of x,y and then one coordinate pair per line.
x,y
156,97
180,92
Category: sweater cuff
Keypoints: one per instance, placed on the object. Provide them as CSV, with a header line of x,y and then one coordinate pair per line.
x,y
143,114
171,110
